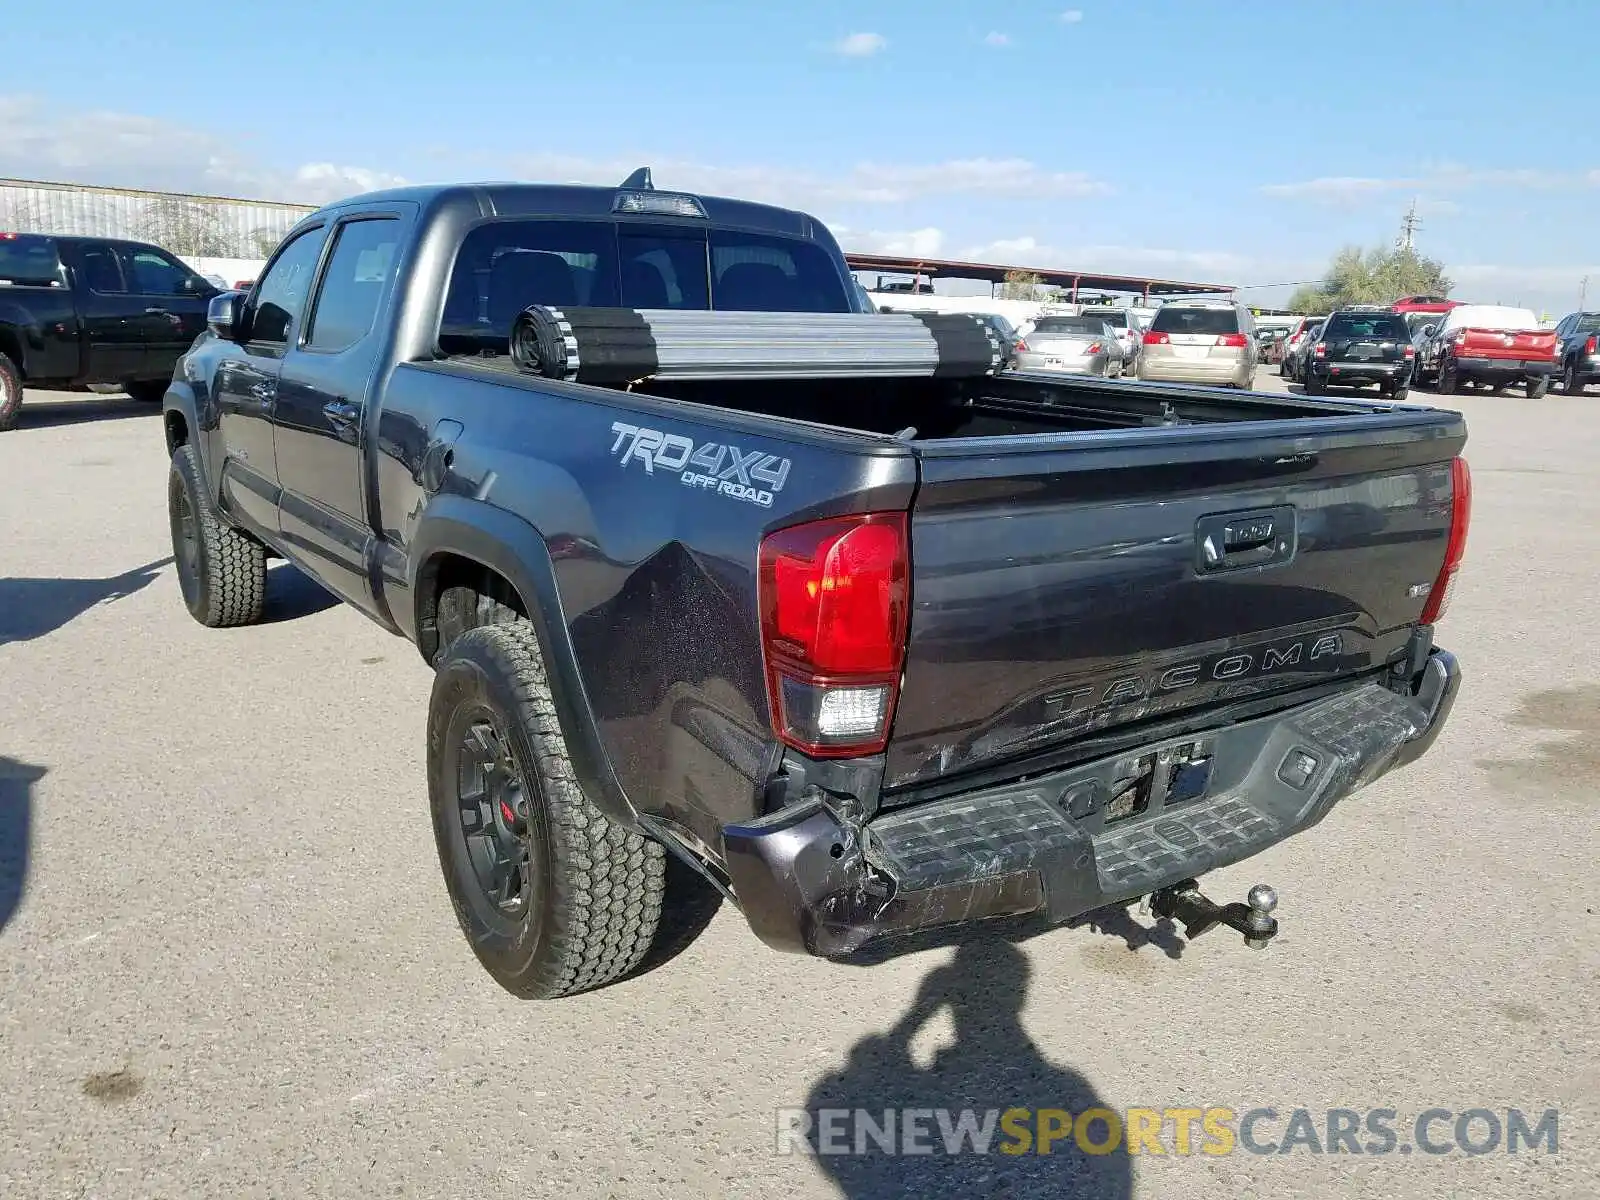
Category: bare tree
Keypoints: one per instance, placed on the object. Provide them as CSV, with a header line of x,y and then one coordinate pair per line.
x,y
264,240
22,215
1021,285
185,226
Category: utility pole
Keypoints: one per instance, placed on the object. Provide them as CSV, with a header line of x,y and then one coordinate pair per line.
x,y
1408,227
1583,293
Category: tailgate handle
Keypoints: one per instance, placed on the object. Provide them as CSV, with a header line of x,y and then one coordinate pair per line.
x,y
1230,541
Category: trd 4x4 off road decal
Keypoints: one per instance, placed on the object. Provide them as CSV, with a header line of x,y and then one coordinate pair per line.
x,y
754,477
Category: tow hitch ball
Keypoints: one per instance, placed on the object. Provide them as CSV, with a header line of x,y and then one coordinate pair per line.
x,y
1183,902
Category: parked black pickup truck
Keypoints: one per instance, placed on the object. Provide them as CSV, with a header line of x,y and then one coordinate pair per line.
x,y
78,311
711,564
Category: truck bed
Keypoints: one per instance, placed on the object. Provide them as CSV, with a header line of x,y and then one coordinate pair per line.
x,y
1058,532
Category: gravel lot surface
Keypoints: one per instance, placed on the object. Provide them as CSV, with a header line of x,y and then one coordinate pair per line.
x,y
230,968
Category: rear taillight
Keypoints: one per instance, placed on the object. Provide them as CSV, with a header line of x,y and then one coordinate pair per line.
x,y
1410,352
1589,346
1320,350
1094,348
1021,345
1152,338
1456,547
835,599
1231,339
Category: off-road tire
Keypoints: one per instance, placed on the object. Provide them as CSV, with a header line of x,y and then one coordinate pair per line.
x,y
1538,387
1315,386
1400,394
10,393
224,576
1448,381
596,888
1569,381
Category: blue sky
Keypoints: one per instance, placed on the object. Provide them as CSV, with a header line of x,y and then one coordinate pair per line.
x,y
1184,138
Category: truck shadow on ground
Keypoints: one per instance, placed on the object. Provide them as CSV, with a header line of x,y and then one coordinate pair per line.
x,y
32,608
292,594
48,414
992,1066
16,832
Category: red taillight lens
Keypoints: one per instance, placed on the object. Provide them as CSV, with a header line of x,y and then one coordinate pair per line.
x,y
835,600
1152,338
1236,340
1320,350
1021,345
1094,348
1589,346
1410,352
1456,547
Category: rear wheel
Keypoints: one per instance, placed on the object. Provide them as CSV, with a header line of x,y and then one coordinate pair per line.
x,y
1569,380
1400,393
553,897
1448,380
1538,386
223,572
1315,385
10,393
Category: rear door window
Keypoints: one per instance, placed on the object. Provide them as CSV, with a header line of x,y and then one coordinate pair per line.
x,y
99,269
1195,320
27,260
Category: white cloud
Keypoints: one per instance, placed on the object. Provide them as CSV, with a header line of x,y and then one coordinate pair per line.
x,y
860,45
1072,16
909,243
42,141
1351,189
997,39
1555,289
865,183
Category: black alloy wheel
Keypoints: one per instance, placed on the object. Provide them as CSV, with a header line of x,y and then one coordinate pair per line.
x,y
491,793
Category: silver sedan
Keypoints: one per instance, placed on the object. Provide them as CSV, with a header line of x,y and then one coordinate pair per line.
x,y
1071,345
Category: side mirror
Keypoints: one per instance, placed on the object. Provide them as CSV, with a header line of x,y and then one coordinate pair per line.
x,y
223,315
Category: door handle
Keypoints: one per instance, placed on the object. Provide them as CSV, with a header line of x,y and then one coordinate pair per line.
x,y
341,412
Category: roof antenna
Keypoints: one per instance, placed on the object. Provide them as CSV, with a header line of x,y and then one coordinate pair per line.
x,y
640,181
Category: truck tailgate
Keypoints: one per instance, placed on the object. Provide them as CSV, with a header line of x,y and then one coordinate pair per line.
x,y
1067,584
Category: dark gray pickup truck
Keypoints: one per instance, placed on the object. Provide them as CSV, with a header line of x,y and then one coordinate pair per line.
x,y
712,564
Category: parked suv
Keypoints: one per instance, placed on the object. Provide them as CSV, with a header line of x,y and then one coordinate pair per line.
x,y
1578,345
1194,341
1361,346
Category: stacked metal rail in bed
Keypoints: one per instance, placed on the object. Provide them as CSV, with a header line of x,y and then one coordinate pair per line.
x,y
613,346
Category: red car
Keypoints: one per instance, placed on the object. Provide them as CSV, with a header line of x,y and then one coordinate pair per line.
x,y
1424,304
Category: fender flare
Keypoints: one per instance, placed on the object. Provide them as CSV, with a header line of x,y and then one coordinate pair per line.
x,y
515,550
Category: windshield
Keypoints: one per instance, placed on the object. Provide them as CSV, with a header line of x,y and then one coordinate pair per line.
x,y
1092,326
1172,319
1113,318
1384,326
28,259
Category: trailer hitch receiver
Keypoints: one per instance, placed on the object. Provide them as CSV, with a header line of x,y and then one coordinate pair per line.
x,y
1183,902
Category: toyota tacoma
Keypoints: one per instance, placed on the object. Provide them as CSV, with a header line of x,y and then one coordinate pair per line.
x,y
711,564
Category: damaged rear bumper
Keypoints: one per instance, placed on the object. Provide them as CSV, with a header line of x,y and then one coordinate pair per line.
x,y
1071,841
